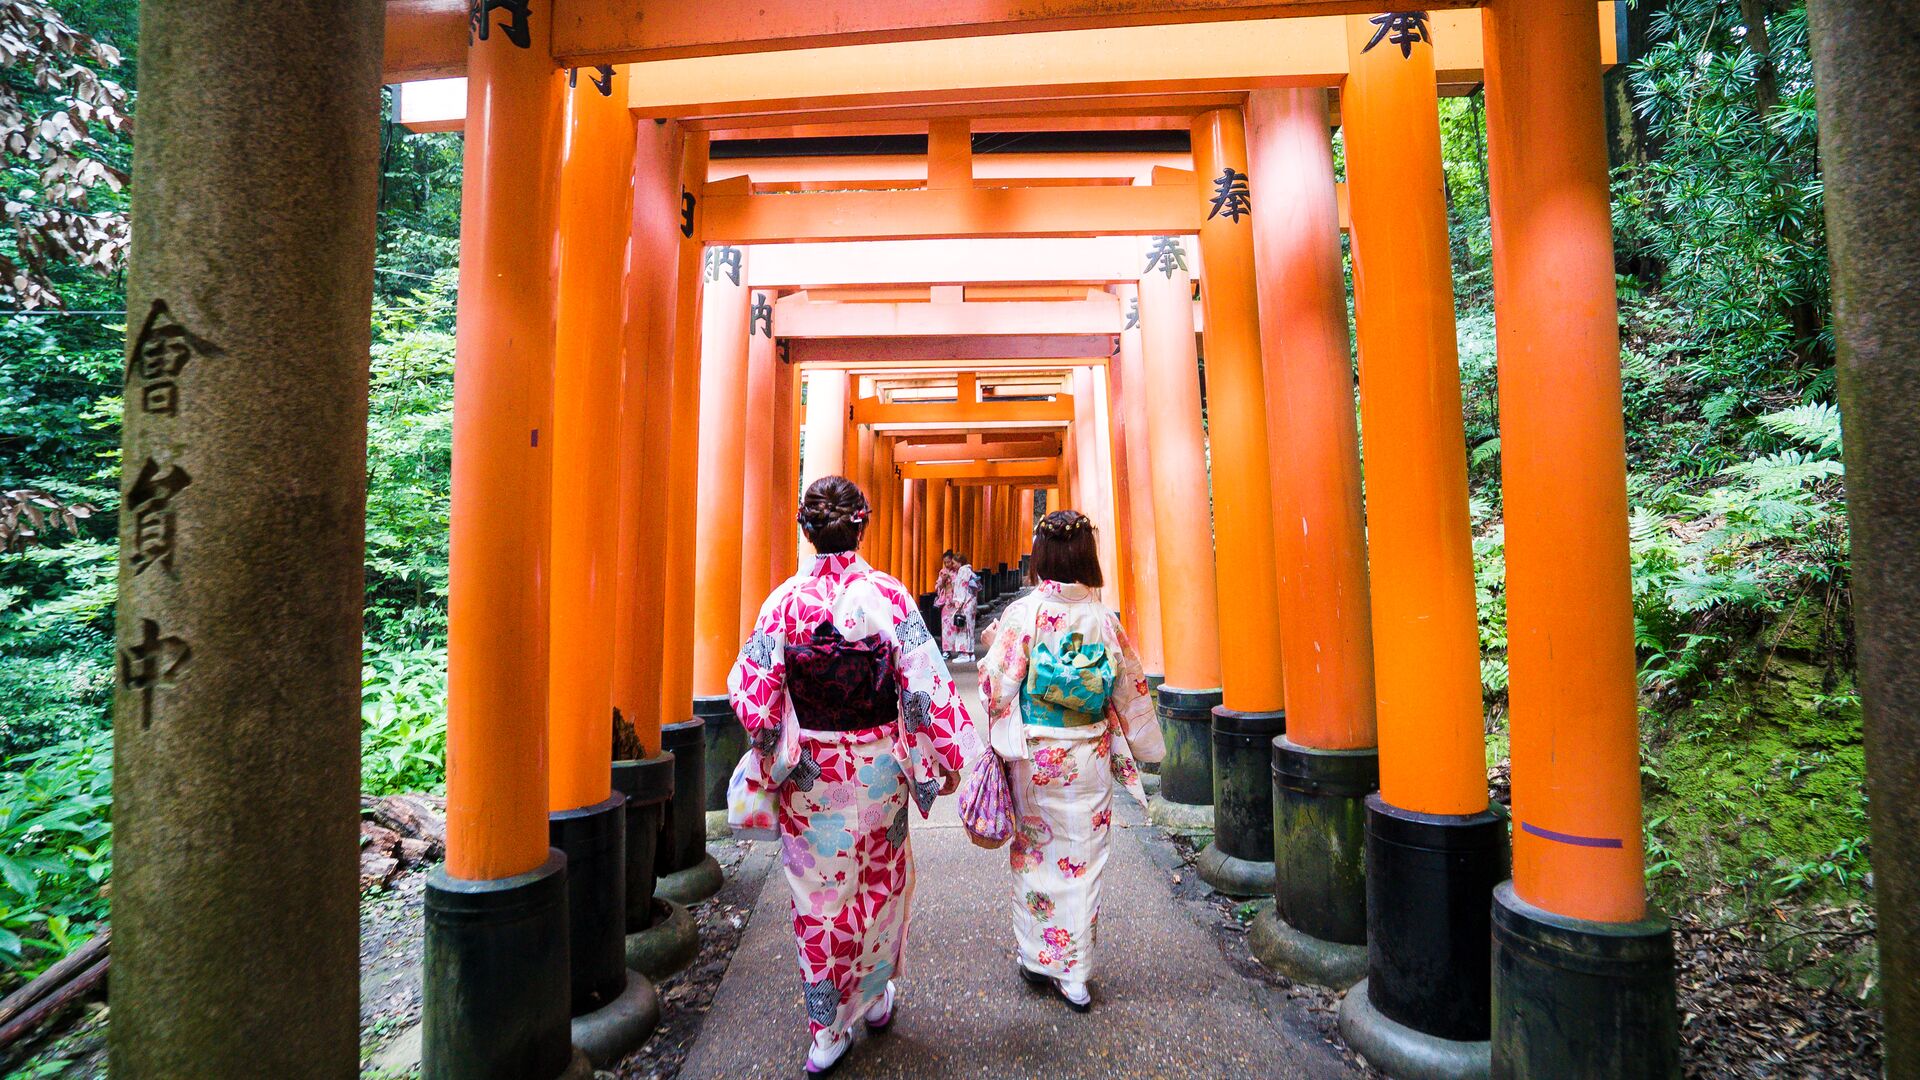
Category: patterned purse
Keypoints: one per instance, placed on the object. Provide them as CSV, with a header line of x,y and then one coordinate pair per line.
x,y
986,804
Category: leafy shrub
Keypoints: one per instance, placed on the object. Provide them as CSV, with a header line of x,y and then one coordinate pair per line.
x,y
403,715
56,850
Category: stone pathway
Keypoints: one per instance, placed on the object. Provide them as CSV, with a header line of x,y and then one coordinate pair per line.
x,y
1167,1002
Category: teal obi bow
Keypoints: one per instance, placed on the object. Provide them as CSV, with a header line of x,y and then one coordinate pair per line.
x,y
1067,686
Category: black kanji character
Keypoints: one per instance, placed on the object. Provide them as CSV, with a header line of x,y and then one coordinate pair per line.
x,y
1231,197
1403,28
518,29
1166,256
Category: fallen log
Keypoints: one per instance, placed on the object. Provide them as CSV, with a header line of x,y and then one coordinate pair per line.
x,y
54,977
66,982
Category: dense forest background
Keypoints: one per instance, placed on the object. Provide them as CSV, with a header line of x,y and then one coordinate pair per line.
x,y
1755,808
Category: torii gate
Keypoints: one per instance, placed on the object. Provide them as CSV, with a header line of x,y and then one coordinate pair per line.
x,y
239,683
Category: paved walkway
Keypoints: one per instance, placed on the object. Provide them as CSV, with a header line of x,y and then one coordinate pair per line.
x,y
1167,1003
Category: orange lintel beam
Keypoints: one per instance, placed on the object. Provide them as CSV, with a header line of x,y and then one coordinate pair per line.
x,y
1080,348
958,212
1039,469
944,367
990,111
962,413
813,319
662,29
973,449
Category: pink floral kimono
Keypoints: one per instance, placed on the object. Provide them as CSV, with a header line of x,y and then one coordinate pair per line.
x,y
1062,777
958,596
840,650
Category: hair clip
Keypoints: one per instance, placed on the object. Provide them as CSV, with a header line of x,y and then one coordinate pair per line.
x,y
858,515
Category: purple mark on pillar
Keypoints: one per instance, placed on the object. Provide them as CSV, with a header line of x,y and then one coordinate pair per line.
x,y
1569,838
536,437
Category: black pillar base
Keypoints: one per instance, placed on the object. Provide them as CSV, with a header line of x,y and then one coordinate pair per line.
x,y
1318,930
1186,719
726,741
594,840
1239,862
648,786
1430,881
621,1026
683,840
496,981
1403,1053
1579,998
667,945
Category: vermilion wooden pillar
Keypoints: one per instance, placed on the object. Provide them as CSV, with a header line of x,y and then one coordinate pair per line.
x,y
1577,847
502,891
1426,639
1183,533
724,372
786,468
1250,659
758,509
646,430
680,501
595,187
825,448
1131,361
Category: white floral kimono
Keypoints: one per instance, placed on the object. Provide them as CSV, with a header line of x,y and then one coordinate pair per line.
x,y
843,809
1062,777
959,602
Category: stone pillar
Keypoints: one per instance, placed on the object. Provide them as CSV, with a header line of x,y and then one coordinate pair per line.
x,y
1254,710
245,439
1864,56
646,429
758,509
1573,937
1183,531
825,448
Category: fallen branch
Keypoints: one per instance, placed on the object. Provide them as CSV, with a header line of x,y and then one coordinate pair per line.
x,y
56,988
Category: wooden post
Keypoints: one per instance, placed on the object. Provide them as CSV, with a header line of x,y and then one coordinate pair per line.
x,y
1131,359
681,493
826,425
758,509
244,446
1574,719
1254,710
646,429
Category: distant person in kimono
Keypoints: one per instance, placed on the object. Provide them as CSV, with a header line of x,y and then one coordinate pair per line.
x,y
840,659
958,610
1069,711
943,598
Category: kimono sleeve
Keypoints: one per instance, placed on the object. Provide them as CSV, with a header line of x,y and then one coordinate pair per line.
x,y
1003,674
932,715
1130,703
756,687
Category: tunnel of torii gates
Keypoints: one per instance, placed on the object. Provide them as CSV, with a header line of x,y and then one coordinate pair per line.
x,y
688,286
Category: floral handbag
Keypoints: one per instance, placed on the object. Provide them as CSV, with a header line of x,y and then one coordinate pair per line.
x,y
752,794
986,803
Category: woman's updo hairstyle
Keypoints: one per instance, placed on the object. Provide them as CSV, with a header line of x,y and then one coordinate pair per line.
x,y
1064,551
833,514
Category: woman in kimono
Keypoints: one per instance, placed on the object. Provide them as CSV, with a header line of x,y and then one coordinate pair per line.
x,y
943,600
1069,711
959,609
840,660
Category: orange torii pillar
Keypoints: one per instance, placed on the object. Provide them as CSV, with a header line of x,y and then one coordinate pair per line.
x,y
1145,569
1122,492
758,510
1109,485
786,467
1325,767
1183,534
641,769
688,873
1091,485
615,1009
826,440
1434,852
725,311
1583,970
496,989
1239,862
1030,503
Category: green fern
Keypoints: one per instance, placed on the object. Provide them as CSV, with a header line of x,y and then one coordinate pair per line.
x,y
1816,425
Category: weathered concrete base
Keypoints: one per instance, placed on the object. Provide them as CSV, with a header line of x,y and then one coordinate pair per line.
x,y
1179,817
1301,956
717,827
1406,1054
619,1027
580,1068
1234,877
667,946
694,884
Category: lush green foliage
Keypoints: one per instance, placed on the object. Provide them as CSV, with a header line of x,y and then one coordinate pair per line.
x,y
55,849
